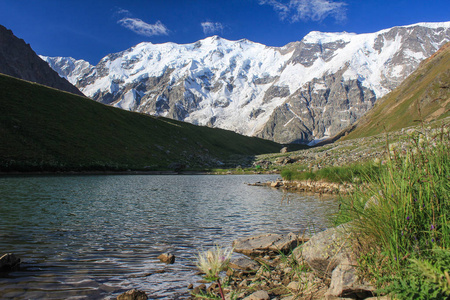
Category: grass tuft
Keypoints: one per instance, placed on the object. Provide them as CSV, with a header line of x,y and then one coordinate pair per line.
x,y
404,215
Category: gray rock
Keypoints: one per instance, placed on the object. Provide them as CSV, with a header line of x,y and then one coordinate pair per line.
x,y
345,282
243,263
330,255
9,261
326,250
133,295
167,258
258,295
265,244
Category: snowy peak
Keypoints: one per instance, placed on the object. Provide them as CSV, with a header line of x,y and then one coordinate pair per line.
x,y
317,37
297,93
68,67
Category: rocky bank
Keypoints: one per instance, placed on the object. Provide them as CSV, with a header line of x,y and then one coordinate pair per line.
x,y
288,267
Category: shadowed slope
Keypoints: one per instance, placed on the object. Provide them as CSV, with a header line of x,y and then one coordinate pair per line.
x,y
46,129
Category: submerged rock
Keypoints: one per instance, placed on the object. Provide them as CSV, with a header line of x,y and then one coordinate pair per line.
x,y
9,261
133,295
167,258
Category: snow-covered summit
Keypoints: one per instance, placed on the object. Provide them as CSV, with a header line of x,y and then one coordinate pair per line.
x,y
297,93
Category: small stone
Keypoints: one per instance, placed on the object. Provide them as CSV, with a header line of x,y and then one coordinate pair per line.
x,y
294,285
258,295
244,263
167,258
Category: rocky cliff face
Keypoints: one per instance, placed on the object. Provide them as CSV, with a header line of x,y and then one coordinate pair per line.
x,y
298,93
17,59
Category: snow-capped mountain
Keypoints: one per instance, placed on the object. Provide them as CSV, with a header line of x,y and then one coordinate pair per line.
x,y
68,67
301,92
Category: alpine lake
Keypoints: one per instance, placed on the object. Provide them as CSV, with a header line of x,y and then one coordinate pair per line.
x,y
96,236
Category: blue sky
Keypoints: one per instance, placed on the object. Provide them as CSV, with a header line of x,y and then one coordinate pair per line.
x,y
92,29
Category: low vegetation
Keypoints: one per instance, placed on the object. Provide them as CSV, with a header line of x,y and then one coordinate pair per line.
x,y
402,218
43,129
401,212
353,173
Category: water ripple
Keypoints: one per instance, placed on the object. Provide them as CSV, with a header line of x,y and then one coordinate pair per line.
x,y
93,237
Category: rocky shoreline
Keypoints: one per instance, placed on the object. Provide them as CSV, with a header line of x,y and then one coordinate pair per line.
x,y
288,267
308,186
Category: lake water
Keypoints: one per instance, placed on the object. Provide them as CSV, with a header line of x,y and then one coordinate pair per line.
x,y
93,237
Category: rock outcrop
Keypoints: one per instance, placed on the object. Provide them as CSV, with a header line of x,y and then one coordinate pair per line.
x,y
17,59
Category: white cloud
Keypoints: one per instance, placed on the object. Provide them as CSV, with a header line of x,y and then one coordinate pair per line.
x,y
210,27
140,27
305,10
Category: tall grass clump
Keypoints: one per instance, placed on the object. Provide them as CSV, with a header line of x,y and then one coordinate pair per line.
x,y
402,218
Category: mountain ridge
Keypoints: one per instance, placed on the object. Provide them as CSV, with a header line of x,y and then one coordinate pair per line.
x,y
301,92
18,59
423,97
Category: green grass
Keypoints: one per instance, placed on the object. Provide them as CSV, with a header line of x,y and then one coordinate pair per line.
x,y
402,218
43,129
422,96
359,172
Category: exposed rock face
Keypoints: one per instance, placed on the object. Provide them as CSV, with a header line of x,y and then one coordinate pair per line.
x,y
17,59
322,107
298,93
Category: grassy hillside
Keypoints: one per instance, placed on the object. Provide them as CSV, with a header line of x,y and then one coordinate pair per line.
x,y
46,129
423,96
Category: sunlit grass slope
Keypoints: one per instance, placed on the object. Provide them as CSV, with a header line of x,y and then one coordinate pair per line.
x,y
423,96
43,129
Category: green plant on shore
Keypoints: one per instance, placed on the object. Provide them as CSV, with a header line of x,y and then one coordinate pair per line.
x,y
212,262
404,214
352,173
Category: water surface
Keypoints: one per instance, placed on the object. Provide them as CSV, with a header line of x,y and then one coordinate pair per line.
x,y
93,237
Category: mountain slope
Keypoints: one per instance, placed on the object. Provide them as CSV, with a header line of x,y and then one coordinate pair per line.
x,y
423,96
301,92
46,129
17,59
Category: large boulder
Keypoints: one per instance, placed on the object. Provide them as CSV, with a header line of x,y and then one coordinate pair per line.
x,y
266,244
330,255
326,250
8,262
